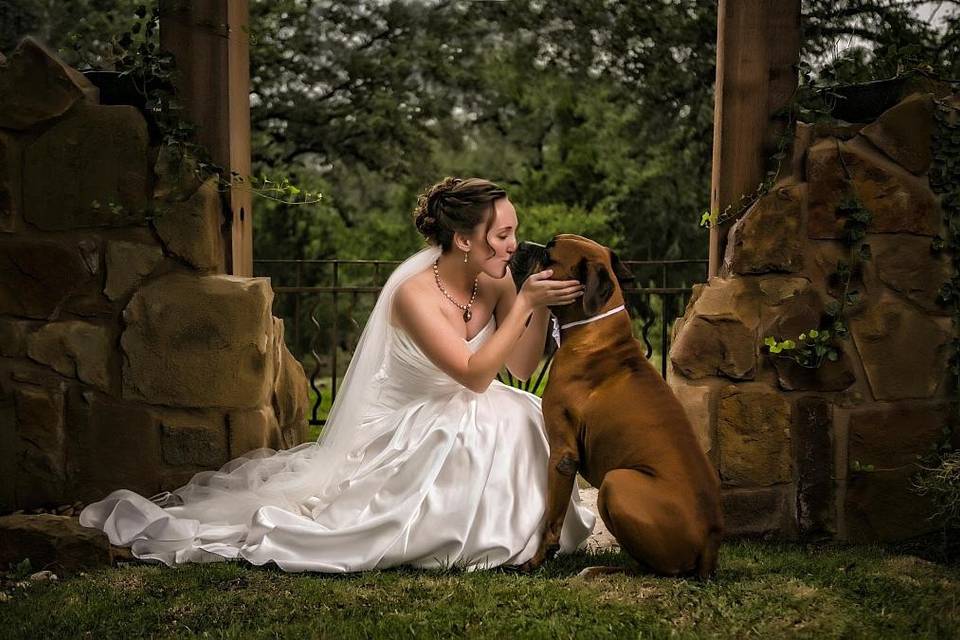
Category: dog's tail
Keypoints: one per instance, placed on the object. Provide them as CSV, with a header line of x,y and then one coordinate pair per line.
x,y
707,560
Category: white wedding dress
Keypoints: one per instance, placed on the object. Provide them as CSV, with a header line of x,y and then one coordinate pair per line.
x,y
427,473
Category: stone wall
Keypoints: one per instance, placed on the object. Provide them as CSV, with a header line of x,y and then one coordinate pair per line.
x,y
786,439
128,359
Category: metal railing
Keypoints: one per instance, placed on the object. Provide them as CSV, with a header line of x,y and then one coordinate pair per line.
x,y
338,307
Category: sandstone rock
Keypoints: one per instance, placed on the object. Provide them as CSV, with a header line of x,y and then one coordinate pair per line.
x,y
822,260
789,306
201,444
36,276
35,85
176,175
76,349
753,431
10,169
8,452
290,397
891,436
881,507
13,337
254,429
768,237
903,132
904,351
127,264
114,445
711,347
199,341
717,335
41,464
191,229
899,201
57,542
813,429
830,376
699,403
905,264
94,157
756,512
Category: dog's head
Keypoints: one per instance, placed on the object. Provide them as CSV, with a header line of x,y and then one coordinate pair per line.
x,y
574,257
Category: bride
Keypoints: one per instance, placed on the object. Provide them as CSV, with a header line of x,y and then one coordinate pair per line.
x,y
426,460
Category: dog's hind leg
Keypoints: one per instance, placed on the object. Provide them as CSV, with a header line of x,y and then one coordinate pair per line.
x,y
649,525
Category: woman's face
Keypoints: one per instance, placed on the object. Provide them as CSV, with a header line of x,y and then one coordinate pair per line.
x,y
501,239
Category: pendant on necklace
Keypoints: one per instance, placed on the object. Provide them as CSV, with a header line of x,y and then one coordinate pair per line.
x,y
467,315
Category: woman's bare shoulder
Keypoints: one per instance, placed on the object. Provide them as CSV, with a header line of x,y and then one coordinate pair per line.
x,y
409,294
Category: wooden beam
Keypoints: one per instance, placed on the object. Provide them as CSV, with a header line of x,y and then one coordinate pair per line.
x,y
209,40
758,46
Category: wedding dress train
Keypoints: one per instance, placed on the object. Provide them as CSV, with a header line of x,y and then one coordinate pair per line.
x,y
444,476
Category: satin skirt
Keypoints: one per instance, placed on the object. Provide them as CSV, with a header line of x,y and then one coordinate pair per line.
x,y
457,479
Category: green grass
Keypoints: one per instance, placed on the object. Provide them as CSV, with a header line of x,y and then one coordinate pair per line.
x,y
762,590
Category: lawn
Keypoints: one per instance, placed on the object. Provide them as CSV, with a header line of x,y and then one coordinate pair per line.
x,y
761,590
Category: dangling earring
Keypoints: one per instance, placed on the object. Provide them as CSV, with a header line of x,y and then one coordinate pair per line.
x,y
465,255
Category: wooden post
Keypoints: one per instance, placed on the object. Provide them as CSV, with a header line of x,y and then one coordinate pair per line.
x,y
758,48
209,40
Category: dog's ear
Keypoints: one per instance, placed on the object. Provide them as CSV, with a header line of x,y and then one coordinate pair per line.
x,y
598,286
624,277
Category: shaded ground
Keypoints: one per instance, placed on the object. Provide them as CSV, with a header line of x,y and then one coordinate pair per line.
x,y
761,590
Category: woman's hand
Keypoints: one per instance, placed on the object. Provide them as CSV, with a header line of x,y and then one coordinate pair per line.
x,y
540,291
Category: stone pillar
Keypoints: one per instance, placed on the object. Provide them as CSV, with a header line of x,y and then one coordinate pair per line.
x,y
209,41
828,452
128,358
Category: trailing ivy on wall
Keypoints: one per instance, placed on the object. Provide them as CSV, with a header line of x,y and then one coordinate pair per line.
x,y
137,61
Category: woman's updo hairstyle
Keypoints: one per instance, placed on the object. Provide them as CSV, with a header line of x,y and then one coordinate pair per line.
x,y
454,204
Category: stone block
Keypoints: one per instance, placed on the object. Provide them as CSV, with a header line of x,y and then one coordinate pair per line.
x,y
812,437
199,341
76,349
890,436
127,264
904,132
37,276
899,201
904,351
906,265
753,433
290,391
13,337
77,171
35,86
176,173
202,443
699,403
41,446
11,161
58,543
253,429
768,238
190,229
114,445
881,507
8,453
757,512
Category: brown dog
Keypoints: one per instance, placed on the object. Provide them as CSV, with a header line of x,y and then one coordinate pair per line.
x,y
611,416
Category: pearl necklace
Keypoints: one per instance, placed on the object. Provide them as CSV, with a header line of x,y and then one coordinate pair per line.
x,y
466,308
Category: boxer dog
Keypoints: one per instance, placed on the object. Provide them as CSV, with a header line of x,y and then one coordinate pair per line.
x,y
610,416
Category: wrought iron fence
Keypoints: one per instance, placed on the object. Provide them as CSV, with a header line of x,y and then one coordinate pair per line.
x,y
336,296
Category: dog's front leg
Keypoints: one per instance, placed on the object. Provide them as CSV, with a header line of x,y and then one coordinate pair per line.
x,y
561,474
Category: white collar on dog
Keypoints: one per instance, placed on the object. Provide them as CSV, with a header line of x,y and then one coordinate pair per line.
x,y
557,326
